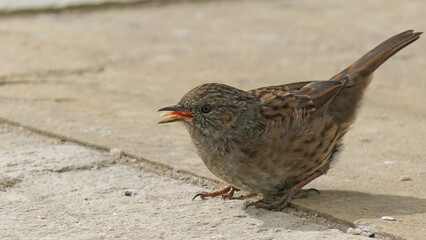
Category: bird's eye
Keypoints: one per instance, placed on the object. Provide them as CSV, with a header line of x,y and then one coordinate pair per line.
x,y
206,108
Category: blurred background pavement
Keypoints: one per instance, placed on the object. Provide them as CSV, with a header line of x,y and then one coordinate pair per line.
x,y
97,76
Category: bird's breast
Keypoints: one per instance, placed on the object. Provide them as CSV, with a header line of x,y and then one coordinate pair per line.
x,y
273,161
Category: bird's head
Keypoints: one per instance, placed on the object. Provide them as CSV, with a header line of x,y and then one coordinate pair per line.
x,y
211,109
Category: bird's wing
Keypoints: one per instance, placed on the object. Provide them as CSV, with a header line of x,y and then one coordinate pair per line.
x,y
284,100
320,93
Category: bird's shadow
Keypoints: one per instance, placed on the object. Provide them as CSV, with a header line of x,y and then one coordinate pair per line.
x,y
347,207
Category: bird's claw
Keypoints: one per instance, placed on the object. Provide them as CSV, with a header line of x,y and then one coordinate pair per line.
x,y
226,193
201,195
275,206
255,204
278,205
304,193
267,206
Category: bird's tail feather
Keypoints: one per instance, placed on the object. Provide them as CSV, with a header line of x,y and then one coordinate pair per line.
x,y
372,60
359,74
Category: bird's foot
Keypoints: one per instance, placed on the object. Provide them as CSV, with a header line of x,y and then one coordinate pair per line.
x,y
291,193
276,205
244,197
283,201
305,193
226,193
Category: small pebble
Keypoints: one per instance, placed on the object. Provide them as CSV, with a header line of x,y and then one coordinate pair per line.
x,y
368,234
102,236
220,236
366,230
405,178
365,139
42,217
353,231
388,218
111,228
389,162
130,193
116,153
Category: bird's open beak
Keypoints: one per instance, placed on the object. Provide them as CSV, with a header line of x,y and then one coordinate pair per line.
x,y
176,113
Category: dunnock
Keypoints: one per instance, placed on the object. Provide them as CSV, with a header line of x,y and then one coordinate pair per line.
x,y
275,140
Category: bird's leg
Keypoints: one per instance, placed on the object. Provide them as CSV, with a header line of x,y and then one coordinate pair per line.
x,y
226,193
284,200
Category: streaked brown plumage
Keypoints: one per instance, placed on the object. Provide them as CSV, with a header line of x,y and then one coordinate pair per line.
x,y
274,140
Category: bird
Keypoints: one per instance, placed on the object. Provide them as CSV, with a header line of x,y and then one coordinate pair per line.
x,y
274,140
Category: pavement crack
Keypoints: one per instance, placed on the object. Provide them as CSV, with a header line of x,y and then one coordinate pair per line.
x,y
22,78
92,166
6,82
84,7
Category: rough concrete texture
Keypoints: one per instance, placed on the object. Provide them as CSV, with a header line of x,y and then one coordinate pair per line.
x,y
30,5
89,202
100,76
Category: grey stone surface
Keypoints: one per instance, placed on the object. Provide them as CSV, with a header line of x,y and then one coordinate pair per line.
x,y
91,204
100,76
70,158
16,5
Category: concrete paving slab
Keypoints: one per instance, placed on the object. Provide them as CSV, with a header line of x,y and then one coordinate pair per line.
x,y
29,5
99,77
90,203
